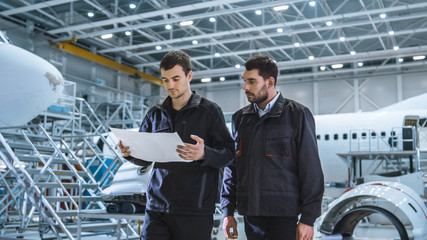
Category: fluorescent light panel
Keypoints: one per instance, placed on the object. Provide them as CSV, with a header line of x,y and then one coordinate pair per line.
x,y
186,23
281,8
336,66
107,36
418,58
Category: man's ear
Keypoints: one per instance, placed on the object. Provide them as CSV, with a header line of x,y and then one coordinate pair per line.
x,y
190,76
270,82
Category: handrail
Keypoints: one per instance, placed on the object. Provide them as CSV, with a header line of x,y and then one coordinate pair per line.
x,y
31,186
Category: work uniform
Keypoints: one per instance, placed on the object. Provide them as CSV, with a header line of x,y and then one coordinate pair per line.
x,y
277,173
181,196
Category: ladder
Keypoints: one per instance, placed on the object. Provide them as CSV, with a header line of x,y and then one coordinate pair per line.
x,y
48,186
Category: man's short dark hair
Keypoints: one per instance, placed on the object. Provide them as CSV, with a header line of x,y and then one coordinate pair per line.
x,y
265,65
173,58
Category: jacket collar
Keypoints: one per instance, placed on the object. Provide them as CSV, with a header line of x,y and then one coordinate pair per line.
x,y
193,102
274,112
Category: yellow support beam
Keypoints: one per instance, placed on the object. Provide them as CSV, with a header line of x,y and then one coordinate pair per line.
x,y
66,46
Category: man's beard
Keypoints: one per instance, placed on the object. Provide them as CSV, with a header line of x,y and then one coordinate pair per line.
x,y
262,96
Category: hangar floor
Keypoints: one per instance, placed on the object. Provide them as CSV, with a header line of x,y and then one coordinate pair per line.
x,y
362,232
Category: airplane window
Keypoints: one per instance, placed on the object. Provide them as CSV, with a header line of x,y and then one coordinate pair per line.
x,y
318,137
327,137
335,136
363,135
382,134
344,136
354,135
393,133
373,134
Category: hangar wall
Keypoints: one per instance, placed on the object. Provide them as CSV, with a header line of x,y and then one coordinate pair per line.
x,y
333,96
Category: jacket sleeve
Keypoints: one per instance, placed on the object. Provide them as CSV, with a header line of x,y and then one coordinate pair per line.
x,y
310,170
219,150
146,126
228,189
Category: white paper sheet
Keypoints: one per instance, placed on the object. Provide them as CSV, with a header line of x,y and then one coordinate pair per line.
x,y
154,147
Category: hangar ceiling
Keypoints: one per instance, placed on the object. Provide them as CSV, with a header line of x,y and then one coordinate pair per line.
x,y
306,38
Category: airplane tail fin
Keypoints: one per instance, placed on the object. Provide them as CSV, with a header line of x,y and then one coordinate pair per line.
x,y
417,102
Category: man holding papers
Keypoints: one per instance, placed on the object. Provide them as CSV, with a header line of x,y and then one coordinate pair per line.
x,y
181,195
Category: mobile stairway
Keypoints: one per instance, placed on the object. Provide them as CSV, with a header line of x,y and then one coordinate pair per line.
x,y
51,172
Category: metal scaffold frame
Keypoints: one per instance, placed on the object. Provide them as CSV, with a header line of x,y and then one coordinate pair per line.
x,y
54,169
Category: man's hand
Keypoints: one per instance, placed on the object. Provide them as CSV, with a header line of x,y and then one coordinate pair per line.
x,y
125,150
229,223
192,151
304,232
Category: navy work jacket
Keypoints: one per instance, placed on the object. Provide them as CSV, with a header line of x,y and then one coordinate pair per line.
x,y
188,188
277,170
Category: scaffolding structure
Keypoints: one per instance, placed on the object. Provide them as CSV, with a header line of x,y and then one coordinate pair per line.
x,y
53,169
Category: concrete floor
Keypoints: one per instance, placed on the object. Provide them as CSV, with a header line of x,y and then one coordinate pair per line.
x,y
362,232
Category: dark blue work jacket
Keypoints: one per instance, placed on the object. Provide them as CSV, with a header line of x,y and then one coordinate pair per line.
x,y
188,188
277,171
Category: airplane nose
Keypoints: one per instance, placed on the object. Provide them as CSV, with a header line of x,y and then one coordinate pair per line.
x,y
29,83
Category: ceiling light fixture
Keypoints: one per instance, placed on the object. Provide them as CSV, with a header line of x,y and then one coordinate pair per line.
x,y
391,33
336,66
312,3
237,66
322,68
258,12
383,15
416,58
168,27
360,64
297,44
132,6
395,48
222,79
158,48
212,19
205,79
195,42
128,33
329,23
217,54
186,23
279,30
353,53
342,39
400,60
90,14
311,57
107,36
281,8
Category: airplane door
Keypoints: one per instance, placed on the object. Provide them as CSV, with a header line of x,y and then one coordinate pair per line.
x,y
422,134
408,133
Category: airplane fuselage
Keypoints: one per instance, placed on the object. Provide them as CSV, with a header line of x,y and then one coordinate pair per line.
x,y
368,131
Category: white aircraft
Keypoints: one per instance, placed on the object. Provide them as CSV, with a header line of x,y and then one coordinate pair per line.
x,y
29,84
377,131
388,197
